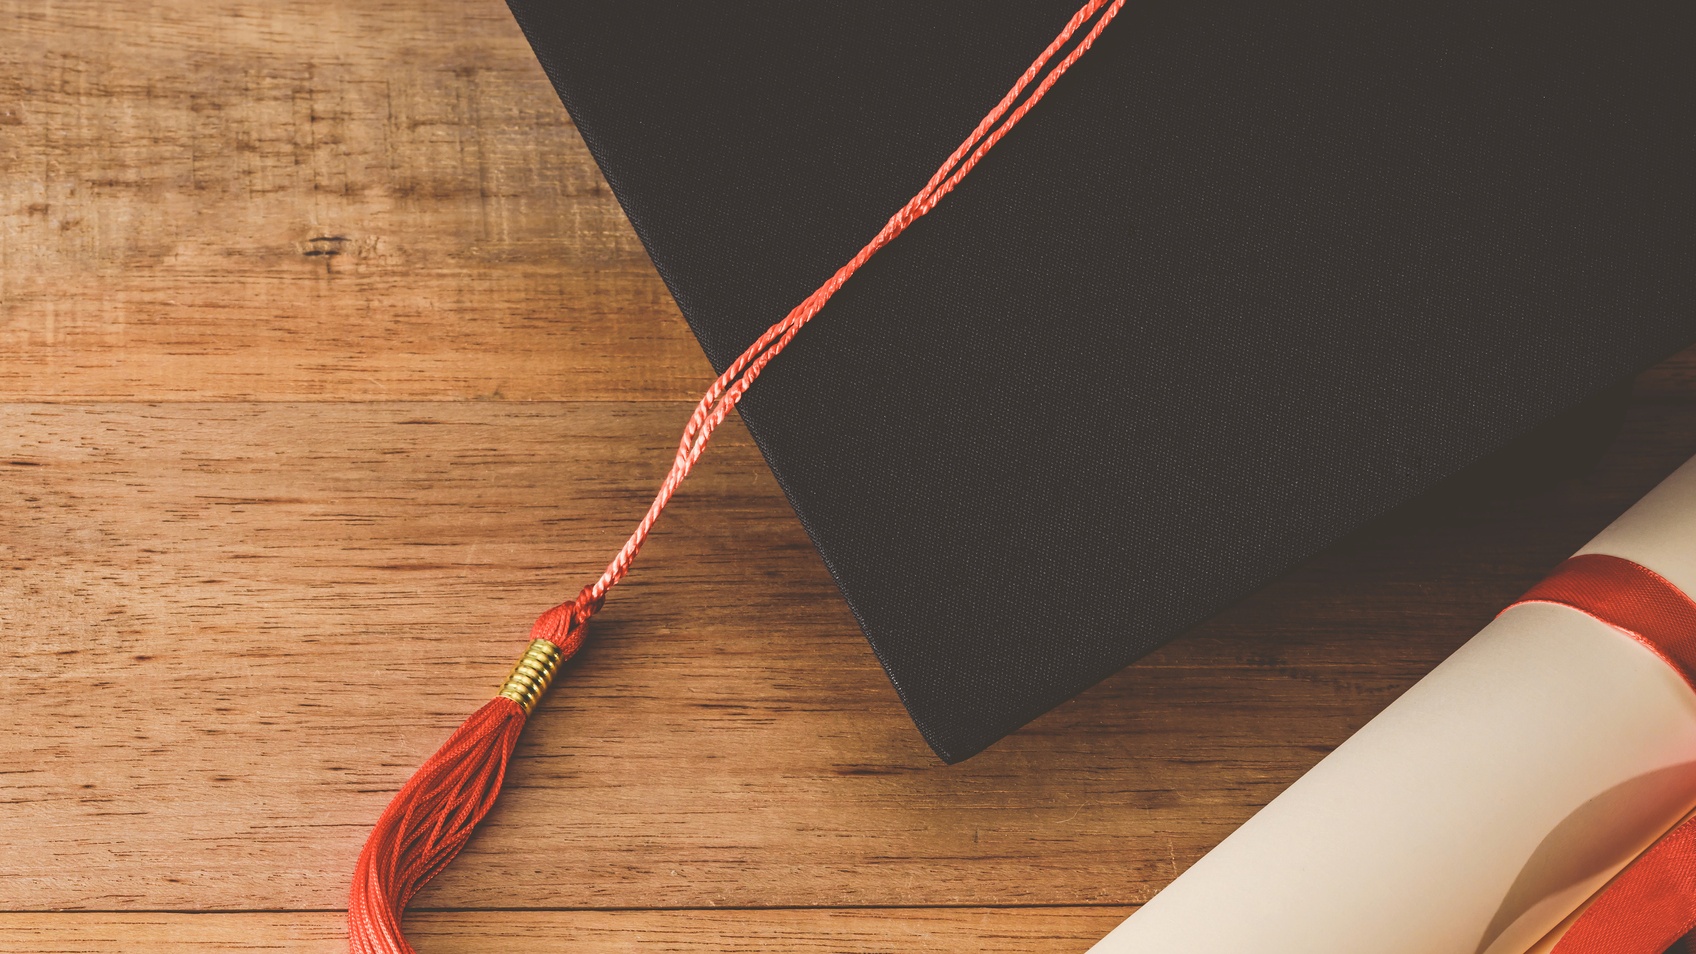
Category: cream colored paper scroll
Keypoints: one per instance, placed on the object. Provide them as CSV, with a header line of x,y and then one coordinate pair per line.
x,y
1479,810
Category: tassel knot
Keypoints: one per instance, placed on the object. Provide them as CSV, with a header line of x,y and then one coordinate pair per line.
x,y
566,624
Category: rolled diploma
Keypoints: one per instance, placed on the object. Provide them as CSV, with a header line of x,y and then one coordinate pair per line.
x,y
1478,810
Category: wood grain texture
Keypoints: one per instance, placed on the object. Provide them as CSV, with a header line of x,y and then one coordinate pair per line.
x,y
818,931
237,199
236,627
275,611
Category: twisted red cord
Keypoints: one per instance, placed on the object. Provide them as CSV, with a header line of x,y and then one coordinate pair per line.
x,y
432,817
562,623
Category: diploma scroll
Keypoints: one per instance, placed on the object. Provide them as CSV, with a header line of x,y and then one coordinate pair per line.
x,y
1479,810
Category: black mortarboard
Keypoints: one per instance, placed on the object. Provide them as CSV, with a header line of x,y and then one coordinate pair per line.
x,y
1252,275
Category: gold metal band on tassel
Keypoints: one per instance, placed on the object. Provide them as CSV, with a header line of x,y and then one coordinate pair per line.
x,y
530,678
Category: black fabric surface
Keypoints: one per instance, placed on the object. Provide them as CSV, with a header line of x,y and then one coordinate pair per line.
x,y
1252,275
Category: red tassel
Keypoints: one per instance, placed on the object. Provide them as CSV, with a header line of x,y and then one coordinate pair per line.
x,y
433,816
427,823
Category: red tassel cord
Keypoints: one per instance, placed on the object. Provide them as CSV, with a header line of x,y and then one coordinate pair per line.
x,y
433,815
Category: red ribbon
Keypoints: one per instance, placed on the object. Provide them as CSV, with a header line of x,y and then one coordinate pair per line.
x,y
1652,904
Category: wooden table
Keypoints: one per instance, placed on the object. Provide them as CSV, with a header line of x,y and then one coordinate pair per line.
x,y
327,360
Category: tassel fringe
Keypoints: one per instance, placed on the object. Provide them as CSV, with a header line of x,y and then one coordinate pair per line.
x,y
426,824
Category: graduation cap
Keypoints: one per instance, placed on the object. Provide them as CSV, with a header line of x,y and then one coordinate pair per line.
x,y
1250,276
